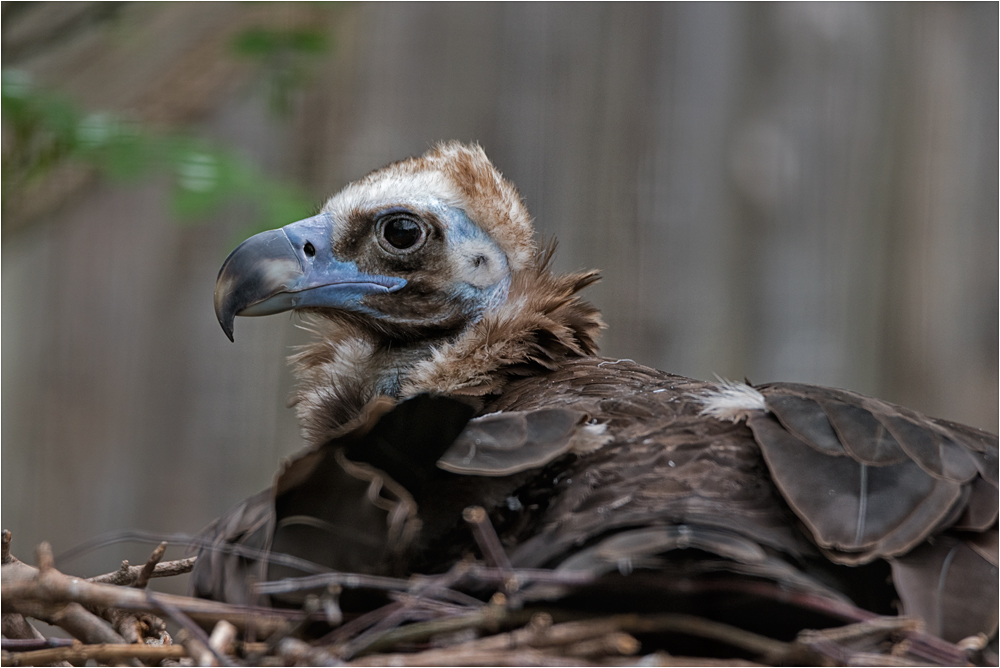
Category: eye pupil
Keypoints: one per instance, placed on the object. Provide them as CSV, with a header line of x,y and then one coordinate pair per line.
x,y
308,249
401,233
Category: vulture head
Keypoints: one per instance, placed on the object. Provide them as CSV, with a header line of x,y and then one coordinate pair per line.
x,y
422,276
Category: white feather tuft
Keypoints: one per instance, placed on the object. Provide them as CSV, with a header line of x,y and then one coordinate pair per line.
x,y
591,437
731,401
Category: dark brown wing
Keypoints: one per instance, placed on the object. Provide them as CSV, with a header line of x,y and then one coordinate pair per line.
x,y
347,505
871,482
670,493
874,480
871,479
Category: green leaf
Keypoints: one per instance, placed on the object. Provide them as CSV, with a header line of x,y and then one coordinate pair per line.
x,y
46,129
257,42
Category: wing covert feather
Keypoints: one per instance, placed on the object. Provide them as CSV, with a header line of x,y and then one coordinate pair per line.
x,y
905,477
804,418
501,444
865,438
942,583
861,510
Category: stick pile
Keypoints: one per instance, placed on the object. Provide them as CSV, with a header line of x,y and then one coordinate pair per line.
x,y
117,620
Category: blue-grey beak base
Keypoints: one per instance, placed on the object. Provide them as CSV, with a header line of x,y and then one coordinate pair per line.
x,y
292,268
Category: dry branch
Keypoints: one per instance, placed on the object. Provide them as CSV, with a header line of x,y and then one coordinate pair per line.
x,y
80,653
129,575
41,593
71,616
16,627
430,587
450,657
486,537
296,652
147,569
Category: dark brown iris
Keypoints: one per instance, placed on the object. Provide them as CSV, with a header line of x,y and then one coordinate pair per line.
x,y
401,232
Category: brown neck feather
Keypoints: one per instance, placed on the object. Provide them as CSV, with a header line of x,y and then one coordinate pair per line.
x,y
542,322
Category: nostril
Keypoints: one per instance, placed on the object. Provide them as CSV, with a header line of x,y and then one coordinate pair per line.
x,y
308,249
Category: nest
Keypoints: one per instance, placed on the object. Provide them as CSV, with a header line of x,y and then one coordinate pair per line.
x,y
116,619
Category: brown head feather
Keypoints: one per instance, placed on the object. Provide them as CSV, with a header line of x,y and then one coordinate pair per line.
x,y
471,180
541,322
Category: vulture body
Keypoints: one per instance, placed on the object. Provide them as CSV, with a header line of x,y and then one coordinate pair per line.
x,y
451,368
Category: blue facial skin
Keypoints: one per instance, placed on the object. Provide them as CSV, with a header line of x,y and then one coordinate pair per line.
x,y
325,281
289,268
294,267
460,231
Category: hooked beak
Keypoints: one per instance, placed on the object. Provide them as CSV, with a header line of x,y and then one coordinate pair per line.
x,y
291,268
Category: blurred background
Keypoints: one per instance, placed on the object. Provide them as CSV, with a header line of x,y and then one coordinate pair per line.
x,y
797,192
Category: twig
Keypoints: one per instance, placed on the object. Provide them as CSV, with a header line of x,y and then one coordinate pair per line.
x,y
199,652
663,659
572,638
296,652
433,606
359,624
450,657
526,576
43,554
15,627
616,643
187,624
150,566
532,657
72,617
124,623
127,622
113,537
847,644
769,649
382,627
103,653
348,580
75,620
223,637
311,605
357,581
26,590
128,575
486,537
442,584
488,617
926,647
28,644
409,610
330,601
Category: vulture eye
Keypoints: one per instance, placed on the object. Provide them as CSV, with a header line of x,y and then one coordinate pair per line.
x,y
400,233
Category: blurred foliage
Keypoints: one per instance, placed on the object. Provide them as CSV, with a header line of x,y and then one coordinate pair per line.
x,y
284,57
43,129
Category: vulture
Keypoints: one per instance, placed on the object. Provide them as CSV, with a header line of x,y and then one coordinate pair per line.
x,y
450,368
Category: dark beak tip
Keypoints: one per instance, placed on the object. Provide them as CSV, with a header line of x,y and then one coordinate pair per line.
x,y
226,321
227,325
